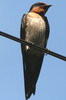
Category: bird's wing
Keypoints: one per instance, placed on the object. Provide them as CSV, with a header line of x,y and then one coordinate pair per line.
x,y
22,31
47,31
22,36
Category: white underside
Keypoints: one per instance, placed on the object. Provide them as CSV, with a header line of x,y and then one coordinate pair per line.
x,y
35,33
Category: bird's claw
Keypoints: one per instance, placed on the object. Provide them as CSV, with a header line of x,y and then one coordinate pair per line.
x,y
47,52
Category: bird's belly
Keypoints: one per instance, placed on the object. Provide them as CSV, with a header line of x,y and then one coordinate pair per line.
x,y
35,31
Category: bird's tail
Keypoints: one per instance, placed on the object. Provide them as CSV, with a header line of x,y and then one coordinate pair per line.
x,y
32,71
31,91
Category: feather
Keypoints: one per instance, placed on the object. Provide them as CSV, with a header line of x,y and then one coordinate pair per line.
x,y
32,59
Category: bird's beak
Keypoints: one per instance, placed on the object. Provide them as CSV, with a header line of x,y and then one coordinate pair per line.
x,y
47,6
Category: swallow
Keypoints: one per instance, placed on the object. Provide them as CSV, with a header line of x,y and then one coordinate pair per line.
x,y
34,29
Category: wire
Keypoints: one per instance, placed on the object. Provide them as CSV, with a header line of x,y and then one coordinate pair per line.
x,y
44,50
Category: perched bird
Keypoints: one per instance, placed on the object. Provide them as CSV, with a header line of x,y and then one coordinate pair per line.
x,y
35,30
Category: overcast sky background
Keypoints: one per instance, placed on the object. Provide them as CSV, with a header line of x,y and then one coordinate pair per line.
x,y
52,81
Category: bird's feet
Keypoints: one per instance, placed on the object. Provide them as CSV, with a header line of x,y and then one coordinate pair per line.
x,y
47,52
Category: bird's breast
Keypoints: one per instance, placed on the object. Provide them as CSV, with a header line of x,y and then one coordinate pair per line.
x,y
35,31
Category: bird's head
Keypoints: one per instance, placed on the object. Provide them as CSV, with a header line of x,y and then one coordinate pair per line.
x,y
40,8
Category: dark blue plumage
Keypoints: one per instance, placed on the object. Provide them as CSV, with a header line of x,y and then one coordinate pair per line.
x,y
34,29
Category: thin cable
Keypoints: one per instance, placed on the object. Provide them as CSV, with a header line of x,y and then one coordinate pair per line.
x,y
44,50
